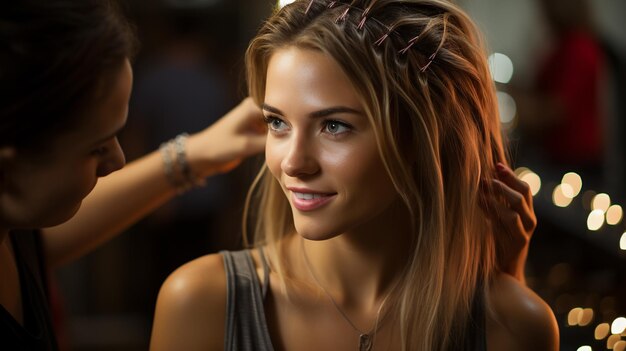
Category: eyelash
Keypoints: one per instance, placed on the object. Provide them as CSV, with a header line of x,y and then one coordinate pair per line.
x,y
271,119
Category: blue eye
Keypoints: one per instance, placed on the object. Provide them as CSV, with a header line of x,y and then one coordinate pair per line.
x,y
336,127
275,124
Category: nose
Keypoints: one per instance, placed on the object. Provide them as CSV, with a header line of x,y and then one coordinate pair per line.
x,y
300,159
113,161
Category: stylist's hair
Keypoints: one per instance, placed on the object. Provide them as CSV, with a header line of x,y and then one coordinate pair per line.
x,y
57,57
434,111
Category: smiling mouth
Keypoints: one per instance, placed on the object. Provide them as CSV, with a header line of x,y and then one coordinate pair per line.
x,y
308,196
310,201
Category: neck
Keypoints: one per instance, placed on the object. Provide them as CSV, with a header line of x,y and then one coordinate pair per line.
x,y
361,266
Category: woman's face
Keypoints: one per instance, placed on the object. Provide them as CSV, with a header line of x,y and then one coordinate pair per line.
x,y
321,147
45,189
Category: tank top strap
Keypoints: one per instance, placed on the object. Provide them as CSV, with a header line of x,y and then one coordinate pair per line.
x,y
246,326
266,272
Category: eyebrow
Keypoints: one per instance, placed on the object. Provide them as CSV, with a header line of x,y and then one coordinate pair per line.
x,y
317,114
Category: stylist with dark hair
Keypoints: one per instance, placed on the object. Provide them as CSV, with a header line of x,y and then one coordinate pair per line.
x,y
65,82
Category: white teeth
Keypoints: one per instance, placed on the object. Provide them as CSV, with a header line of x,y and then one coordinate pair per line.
x,y
307,196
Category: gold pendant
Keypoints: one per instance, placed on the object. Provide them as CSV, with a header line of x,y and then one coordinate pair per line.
x,y
365,342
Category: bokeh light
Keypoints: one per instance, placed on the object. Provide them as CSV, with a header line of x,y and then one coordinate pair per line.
x,y
601,201
622,242
507,108
602,331
532,179
562,195
501,67
611,341
595,220
282,3
618,326
585,317
574,181
572,316
614,215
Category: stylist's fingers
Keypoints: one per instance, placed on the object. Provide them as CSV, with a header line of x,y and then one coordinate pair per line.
x,y
250,117
251,128
515,201
506,175
222,146
508,221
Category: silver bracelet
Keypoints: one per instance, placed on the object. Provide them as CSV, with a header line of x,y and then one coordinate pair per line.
x,y
178,171
168,164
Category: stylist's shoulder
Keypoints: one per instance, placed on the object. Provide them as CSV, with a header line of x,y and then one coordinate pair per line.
x,y
518,318
191,307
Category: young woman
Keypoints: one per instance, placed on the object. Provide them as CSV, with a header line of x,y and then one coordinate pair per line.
x,y
383,154
65,82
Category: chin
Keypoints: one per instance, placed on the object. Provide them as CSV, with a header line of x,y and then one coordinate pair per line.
x,y
311,230
62,217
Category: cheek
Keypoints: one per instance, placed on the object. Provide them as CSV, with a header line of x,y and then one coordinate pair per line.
x,y
356,163
365,171
79,182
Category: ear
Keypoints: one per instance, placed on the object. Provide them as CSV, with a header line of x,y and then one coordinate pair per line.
x,y
7,156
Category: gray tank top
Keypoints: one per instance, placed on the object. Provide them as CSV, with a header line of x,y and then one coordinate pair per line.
x,y
246,325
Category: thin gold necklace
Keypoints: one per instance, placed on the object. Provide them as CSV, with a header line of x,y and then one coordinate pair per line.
x,y
366,339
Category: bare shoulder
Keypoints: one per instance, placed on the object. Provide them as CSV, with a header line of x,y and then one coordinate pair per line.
x,y
519,318
191,308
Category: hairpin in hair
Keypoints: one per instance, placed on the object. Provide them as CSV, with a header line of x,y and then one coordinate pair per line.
x,y
431,58
411,43
309,7
382,39
390,29
343,15
362,23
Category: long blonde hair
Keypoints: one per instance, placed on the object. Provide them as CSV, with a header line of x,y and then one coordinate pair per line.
x,y
434,111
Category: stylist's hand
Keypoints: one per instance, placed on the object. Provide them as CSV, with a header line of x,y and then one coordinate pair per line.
x,y
223,145
508,202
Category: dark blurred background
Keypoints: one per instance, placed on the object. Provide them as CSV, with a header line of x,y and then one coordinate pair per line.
x,y
559,67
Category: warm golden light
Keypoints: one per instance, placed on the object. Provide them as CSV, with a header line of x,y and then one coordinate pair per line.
x,y
601,201
618,326
567,190
622,242
559,196
282,3
533,181
619,346
572,179
572,316
585,317
519,171
602,331
614,215
611,341
595,220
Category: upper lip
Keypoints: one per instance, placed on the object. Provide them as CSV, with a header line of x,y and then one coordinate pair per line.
x,y
308,191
